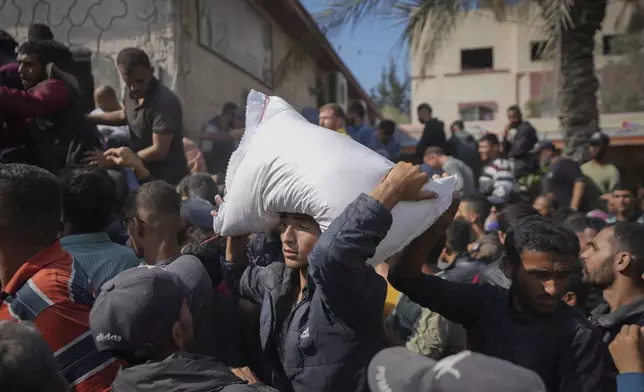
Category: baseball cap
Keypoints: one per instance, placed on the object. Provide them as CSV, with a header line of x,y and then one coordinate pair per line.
x,y
398,369
196,211
502,194
542,145
599,139
136,310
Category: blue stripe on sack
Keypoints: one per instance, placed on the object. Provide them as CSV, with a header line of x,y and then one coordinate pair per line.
x,y
28,302
79,359
80,288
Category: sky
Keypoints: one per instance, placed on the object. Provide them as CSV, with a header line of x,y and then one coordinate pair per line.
x,y
367,48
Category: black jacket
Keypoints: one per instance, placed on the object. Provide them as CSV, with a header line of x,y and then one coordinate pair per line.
x,y
609,324
182,372
519,150
462,146
327,340
433,136
563,348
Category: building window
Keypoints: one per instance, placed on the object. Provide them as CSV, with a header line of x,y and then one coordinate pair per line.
x,y
612,45
477,113
249,49
537,50
481,58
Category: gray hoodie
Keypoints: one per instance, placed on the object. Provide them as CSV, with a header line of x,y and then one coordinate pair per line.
x,y
182,372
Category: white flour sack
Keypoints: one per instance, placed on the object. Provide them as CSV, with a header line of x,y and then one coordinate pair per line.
x,y
286,164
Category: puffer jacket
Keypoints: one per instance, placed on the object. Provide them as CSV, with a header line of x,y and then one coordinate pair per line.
x,y
182,372
335,330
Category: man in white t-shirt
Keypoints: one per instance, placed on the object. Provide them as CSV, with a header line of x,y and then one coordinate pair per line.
x,y
106,101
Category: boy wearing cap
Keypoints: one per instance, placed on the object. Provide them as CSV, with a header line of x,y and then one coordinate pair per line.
x,y
154,335
321,315
604,175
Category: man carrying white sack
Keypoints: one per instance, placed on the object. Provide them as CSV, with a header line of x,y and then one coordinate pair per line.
x,y
321,315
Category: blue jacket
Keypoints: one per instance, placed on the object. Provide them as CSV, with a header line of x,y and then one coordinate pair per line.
x,y
630,382
335,330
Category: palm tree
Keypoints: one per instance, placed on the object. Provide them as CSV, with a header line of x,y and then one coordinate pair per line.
x,y
570,27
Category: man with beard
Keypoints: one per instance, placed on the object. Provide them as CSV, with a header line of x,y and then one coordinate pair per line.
x,y
55,132
153,113
614,262
434,132
604,175
528,324
518,150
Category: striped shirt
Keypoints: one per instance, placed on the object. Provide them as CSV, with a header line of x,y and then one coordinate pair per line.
x,y
54,293
499,173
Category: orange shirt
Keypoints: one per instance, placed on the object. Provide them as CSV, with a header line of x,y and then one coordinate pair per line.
x,y
55,294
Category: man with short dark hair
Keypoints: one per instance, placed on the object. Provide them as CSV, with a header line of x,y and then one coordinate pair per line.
x,y
474,210
332,117
433,133
460,267
604,175
508,217
88,204
462,146
154,115
200,185
41,282
27,363
155,334
56,134
519,149
220,135
528,324
614,263
436,159
497,172
383,141
356,126
624,206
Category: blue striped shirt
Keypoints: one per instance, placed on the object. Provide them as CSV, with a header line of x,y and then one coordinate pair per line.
x,y
99,256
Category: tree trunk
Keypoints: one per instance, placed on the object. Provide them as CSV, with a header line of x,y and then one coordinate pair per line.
x,y
578,84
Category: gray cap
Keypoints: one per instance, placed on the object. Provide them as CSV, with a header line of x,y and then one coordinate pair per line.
x,y
400,370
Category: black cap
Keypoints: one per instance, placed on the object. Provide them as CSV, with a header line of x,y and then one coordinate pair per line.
x,y
398,369
543,145
136,310
599,139
196,211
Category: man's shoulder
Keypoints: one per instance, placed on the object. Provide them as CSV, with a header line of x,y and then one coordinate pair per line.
x,y
166,97
573,321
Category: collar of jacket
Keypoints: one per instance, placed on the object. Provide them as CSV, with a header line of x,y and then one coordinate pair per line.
x,y
602,315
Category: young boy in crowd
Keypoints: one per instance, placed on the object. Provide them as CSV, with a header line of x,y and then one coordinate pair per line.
x,y
321,316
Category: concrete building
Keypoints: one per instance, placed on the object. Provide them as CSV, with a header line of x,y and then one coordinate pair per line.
x,y
208,51
485,66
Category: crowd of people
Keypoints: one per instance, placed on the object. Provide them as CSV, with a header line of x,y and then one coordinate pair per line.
x,y
113,278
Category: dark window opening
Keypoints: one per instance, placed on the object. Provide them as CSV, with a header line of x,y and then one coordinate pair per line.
x,y
477,59
612,45
538,50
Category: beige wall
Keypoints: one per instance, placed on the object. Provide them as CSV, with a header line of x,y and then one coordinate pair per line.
x,y
167,30
208,81
510,41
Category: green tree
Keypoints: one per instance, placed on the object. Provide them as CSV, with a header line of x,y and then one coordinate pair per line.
x,y
392,92
570,26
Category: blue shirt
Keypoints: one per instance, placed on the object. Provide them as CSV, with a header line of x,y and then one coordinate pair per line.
x,y
630,382
389,151
361,134
430,172
100,258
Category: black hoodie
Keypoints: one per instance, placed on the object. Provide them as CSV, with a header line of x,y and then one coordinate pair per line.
x,y
182,372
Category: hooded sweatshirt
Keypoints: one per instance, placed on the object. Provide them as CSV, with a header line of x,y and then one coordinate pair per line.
x,y
182,372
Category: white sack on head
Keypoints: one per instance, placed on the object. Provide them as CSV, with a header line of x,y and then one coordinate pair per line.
x,y
286,164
